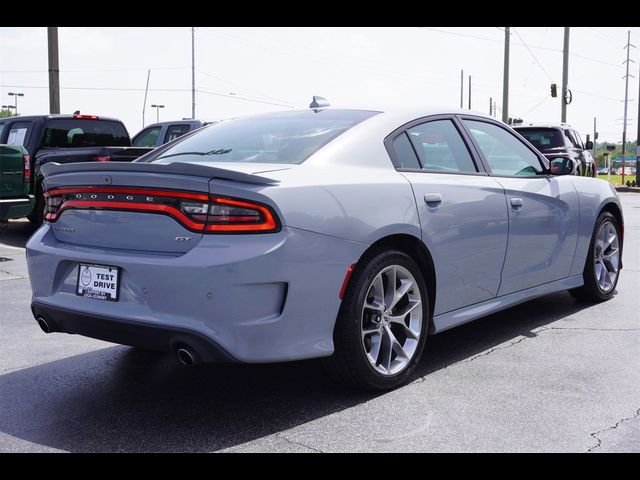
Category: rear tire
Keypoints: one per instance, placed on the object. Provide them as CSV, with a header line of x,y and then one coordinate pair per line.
x,y
382,325
36,217
602,267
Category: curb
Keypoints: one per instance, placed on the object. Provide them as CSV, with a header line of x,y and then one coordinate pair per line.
x,y
624,188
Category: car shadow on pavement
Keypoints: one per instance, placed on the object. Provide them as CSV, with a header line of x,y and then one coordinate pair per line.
x,y
124,399
16,233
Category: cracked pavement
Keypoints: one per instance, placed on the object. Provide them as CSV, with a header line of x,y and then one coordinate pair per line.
x,y
552,375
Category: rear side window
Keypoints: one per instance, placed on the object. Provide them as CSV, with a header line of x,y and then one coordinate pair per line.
x,y
405,157
542,138
19,133
175,131
441,148
147,138
281,137
78,133
1,129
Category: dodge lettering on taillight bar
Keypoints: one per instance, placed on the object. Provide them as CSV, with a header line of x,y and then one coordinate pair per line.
x,y
195,211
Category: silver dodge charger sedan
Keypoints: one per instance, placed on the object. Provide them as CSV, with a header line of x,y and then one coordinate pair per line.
x,y
351,235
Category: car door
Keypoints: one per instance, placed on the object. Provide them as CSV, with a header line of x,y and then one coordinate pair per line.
x,y
462,211
543,209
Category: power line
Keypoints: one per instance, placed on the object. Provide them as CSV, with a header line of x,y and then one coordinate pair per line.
x,y
605,35
521,45
536,105
532,54
114,89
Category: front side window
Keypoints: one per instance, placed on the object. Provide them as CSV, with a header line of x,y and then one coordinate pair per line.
x,y
147,138
280,137
505,154
440,147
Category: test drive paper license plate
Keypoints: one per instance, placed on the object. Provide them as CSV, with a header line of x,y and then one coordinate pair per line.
x,y
98,281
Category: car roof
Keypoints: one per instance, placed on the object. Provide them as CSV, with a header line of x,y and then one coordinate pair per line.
x,y
176,122
59,115
545,125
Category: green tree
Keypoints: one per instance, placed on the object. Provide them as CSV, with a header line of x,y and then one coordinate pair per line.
x,y
5,112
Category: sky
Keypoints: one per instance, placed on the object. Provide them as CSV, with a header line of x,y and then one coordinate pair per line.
x,y
245,70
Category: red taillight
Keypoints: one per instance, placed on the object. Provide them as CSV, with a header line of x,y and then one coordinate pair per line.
x,y
87,117
197,212
27,168
100,158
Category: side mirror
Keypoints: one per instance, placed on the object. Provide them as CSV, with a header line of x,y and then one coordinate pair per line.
x,y
561,166
588,145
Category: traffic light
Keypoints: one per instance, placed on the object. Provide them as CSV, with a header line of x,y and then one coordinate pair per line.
x,y
554,90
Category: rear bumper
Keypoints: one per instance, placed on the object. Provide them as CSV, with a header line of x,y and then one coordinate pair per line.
x,y
129,332
260,298
16,207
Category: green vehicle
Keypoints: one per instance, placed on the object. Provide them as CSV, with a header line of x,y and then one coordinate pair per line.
x,y
15,178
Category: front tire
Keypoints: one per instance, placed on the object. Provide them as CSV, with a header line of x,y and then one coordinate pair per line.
x,y
602,268
382,326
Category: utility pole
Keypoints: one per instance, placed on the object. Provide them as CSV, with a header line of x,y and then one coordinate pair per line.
x,y
626,99
146,90
638,141
469,92
490,106
595,138
495,108
54,70
15,96
193,72
461,88
505,79
565,75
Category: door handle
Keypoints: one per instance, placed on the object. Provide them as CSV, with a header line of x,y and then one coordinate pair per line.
x,y
433,199
516,203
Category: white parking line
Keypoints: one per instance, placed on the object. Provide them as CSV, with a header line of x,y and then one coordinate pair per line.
x,y
2,245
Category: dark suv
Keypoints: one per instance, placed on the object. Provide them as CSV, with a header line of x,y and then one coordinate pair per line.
x,y
555,141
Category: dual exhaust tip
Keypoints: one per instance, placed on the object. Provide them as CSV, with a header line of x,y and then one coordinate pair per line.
x,y
186,355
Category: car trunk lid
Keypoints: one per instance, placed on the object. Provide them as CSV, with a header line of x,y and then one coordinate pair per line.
x,y
133,206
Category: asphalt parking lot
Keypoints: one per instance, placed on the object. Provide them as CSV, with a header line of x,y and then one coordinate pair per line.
x,y
549,375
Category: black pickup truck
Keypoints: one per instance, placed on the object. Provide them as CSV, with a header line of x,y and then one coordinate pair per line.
x,y
67,139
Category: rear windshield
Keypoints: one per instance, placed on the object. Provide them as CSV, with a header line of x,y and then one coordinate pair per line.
x,y
282,137
542,138
77,133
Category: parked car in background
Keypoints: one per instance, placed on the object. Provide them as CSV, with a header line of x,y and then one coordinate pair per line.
x,y
15,180
66,139
626,170
603,170
345,234
558,141
160,133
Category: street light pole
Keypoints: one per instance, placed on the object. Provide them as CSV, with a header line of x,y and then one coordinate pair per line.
x,y
157,107
15,95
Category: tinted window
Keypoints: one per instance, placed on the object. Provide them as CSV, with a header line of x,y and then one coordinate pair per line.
x,y
147,138
440,147
19,133
542,138
404,153
1,129
175,131
577,141
282,137
77,133
505,154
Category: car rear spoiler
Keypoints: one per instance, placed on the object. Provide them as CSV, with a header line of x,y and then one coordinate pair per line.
x,y
175,168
